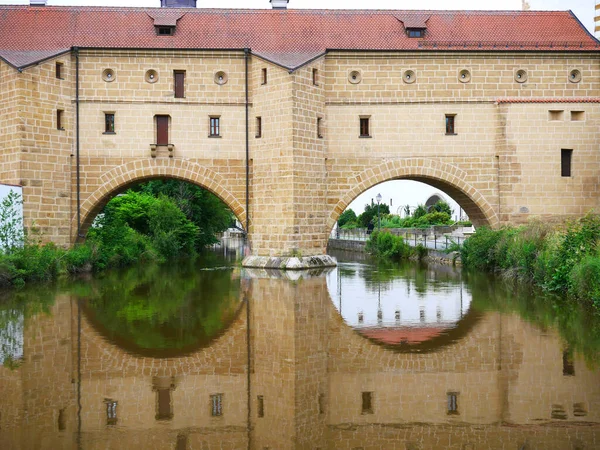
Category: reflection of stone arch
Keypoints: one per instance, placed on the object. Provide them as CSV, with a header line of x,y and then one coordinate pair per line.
x,y
227,353
122,177
352,352
443,176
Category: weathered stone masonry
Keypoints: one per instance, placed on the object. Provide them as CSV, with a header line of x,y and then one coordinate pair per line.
x,y
503,164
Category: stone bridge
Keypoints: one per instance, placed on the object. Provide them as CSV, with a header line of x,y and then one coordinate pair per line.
x,y
289,154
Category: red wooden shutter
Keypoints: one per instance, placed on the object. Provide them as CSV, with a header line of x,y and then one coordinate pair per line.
x,y
162,130
179,84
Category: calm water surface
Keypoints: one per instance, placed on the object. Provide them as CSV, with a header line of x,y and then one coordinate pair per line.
x,y
205,355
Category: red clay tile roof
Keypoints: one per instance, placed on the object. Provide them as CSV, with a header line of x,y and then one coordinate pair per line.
x,y
289,38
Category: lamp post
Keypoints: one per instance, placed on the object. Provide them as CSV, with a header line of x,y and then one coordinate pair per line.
x,y
378,198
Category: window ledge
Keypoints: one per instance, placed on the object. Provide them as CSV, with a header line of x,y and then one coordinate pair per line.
x,y
109,132
214,136
60,129
365,137
451,134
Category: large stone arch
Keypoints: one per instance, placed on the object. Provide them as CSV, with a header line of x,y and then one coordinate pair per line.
x,y
446,177
122,177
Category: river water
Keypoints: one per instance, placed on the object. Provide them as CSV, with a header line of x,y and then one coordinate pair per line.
x,y
206,355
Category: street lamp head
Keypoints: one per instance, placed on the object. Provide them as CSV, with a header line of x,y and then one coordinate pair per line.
x,y
378,198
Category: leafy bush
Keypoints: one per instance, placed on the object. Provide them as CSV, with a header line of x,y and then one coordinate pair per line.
x,y
585,279
386,245
346,217
560,259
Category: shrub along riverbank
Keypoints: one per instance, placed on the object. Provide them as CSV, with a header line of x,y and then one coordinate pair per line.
x,y
564,258
157,221
559,258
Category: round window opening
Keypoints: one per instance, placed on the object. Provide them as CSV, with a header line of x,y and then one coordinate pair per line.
x,y
108,75
220,77
575,76
409,76
355,77
521,76
151,76
464,76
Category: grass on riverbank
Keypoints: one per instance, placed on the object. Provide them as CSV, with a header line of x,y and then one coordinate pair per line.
x,y
383,244
560,258
134,227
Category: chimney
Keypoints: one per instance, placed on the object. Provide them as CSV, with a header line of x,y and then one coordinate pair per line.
x,y
37,2
279,4
177,3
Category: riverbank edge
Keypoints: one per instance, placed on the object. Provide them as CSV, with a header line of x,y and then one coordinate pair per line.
x,y
434,256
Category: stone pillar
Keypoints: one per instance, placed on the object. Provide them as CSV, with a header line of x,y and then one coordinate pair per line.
x,y
288,184
288,388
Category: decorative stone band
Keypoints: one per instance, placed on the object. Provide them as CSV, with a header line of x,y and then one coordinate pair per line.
x,y
289,262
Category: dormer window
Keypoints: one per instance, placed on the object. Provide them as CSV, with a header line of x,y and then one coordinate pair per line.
x,y
415,32
165,31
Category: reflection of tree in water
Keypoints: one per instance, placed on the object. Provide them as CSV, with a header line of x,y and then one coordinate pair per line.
x,y
419,276
15,308
578,326
157,308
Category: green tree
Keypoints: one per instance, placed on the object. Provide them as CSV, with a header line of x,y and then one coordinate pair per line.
x,y
370,213
347,216
443,207
200,206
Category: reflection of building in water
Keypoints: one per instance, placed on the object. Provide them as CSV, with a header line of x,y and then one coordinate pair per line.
x,y
313,382
397,302
11,336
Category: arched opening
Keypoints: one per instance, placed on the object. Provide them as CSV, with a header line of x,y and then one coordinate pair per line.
x,y
444,177
122,178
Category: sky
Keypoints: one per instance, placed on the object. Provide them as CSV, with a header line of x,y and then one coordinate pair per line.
x,y
399,192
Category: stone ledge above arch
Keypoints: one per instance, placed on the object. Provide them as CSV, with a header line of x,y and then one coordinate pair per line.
x,y
444,176
121,177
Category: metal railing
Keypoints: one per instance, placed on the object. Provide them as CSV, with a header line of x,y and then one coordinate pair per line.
x,y
413,237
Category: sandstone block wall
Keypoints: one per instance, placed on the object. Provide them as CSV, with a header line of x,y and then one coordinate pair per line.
x,y
502,164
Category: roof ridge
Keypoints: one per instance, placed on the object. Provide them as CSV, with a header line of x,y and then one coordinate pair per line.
x,y
290,10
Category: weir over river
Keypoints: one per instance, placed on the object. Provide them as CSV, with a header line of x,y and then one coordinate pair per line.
x,y
207,355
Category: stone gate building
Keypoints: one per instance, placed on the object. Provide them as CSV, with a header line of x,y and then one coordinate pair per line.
x,y
288,115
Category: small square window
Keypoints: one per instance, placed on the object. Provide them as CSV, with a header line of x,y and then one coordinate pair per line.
x,y
59,70
165,31
216,402
367,403
264,76
62,420
215,127
566,157
179,81
164,404
162,130
415,32
450,124
261,406
111,412
258,127
314,77
452,403
364,127
568,364
109,123
60,119
319,127
555,115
